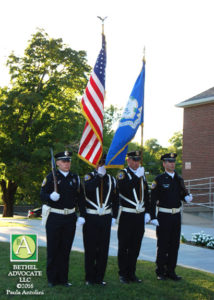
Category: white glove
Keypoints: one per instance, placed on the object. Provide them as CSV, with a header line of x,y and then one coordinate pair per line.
x,y
54,196
101,171
147,218
80,221
154,222
113,221
188,198
140,172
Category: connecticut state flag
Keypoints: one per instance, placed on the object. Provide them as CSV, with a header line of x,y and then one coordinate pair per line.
x,y
131,119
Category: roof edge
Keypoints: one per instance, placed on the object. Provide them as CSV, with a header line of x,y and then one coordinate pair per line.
x,y
195,102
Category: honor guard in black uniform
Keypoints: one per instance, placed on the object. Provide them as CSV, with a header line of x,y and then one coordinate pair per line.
x,y
101,212
134,213
60,217
168,190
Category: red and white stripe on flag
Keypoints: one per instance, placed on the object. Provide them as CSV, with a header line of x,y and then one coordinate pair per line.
x,y
91,144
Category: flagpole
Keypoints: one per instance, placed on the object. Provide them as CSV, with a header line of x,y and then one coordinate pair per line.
x,y
141,144
142,125
101,187
102,19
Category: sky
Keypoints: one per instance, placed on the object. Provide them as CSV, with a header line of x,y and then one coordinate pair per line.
x,y
177,36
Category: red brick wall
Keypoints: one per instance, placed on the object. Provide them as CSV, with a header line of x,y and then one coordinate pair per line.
x,y
198,141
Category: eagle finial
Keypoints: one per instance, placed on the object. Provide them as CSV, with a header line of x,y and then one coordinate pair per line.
x,y
102,19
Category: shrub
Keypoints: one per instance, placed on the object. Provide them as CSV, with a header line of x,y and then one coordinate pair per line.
x,y
203,239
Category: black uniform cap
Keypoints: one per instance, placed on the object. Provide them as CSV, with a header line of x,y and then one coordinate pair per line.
x,y
65,156
169,157
135,155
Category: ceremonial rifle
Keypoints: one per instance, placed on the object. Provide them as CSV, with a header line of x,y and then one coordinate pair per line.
x,y
53,167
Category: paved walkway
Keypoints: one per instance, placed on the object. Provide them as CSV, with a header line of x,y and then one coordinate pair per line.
x,y
189,256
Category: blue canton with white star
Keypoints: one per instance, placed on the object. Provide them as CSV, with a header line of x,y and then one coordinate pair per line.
x,y
100,65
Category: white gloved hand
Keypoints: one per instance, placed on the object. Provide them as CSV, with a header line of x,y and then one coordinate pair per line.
x,y
80,221
147,218
188,198
140,172
154,222
101,171
113,221
54,196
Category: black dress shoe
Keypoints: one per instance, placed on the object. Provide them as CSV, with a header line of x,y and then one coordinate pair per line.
x,y
51,284
135,279
67,284
161,277
124,280
174,277
103,283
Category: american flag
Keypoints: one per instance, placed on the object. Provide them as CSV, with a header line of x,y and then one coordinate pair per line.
x,y
92,103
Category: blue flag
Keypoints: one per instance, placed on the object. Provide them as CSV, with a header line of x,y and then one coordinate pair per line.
x,y
131,119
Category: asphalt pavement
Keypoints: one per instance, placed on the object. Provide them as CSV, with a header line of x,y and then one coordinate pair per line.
x,y
189,256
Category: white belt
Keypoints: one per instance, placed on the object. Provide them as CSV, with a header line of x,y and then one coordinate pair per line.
x,y
64,211
132,210
99,212
169,210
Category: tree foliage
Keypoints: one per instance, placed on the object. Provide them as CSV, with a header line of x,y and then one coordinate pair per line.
x,y
152,152
39,110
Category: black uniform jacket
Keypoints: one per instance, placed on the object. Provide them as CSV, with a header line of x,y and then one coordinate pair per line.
x,y
167,192
92,181
70,190
127,181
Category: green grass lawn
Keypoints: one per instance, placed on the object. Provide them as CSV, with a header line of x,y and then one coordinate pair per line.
x,y
194,286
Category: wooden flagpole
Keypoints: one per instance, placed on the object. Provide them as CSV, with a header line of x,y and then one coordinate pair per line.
x,y
101,187
141,143
102,19
142,125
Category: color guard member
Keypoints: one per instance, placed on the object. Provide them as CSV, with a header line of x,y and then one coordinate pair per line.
x,y
168,191
101,211
59,210
135,209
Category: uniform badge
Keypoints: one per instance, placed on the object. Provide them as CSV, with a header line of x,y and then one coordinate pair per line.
x,y
87,177
172,155
120,175
74,180
44,182
70,182
166,185
154,184
66,153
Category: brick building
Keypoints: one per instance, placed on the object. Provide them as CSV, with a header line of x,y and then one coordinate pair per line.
x,y
198,136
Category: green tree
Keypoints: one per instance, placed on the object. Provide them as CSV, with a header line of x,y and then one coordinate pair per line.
x,y
111,116
152,153
152,146
39,110
176,146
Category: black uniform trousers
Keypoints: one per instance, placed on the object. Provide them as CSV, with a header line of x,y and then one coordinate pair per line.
x,y
60,231
130,234
168,241
96,238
